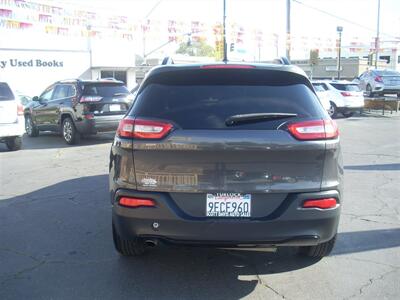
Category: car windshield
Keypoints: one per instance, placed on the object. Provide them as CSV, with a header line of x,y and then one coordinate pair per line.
x,y
346,87
5,92
104,90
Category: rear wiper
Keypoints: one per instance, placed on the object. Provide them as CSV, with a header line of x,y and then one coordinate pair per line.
x,y
120,94
257,117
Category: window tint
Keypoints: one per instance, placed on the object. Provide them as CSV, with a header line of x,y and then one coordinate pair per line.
x,y
387,73
104,90
208,106
47,94
320,87
64,91
346,87
5,92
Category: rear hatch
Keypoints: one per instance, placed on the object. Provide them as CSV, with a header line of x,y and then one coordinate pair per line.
x,y
8,105
351,92
105,98
207,156
389,78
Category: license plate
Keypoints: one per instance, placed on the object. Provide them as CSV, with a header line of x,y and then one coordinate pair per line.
x,y
115,107
228,205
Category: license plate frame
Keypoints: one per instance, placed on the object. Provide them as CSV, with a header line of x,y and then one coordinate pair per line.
x,y
228,205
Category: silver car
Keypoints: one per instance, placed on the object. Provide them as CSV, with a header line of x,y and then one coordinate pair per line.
x,y
379,82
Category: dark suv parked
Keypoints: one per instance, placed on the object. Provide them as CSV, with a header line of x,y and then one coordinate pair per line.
x,y
227,155
76,107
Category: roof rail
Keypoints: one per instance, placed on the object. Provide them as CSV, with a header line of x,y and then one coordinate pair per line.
x,y
69,80
283,60
167,61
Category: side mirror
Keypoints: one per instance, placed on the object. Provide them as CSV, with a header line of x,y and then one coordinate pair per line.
x,y
36,98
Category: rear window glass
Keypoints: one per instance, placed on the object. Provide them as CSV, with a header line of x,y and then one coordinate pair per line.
x,y
319,87
104,90
387,73
346,87
5,92
208,106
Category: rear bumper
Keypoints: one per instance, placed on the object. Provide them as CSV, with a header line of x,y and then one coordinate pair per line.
x,y
13,129
287,225
99,124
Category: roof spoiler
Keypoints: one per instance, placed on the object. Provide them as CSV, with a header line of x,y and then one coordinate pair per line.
x,y
283,60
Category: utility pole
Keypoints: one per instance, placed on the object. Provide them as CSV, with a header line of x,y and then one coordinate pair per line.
x,y
224,33
339,29
377,35
288,44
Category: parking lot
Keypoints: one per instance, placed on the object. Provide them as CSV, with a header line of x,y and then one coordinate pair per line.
x,y
55,232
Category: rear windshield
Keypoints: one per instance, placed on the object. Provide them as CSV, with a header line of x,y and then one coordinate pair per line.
x,y
387,73
346,87
206,106
5,92
104,89
319,87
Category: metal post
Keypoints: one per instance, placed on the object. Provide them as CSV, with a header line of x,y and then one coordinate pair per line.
x,y
377,36
288,29
339,29
224,33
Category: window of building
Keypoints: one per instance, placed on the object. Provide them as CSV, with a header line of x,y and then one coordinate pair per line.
x,y
118,75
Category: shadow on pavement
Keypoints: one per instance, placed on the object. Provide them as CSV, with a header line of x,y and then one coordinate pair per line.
x,y
377,167
56,243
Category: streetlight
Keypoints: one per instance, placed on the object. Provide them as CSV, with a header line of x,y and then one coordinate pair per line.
x,y
339,30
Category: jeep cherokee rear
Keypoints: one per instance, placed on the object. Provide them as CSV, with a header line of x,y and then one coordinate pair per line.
x,y
226,155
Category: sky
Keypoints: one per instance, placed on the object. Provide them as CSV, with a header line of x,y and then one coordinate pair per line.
x,y
307,17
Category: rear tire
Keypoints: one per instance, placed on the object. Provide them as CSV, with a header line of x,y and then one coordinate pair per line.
x,y
369,91
320,250
332,110
134,247
30,128
14,143
69,132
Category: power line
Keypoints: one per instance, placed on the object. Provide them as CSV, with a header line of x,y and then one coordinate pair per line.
x,y
341,18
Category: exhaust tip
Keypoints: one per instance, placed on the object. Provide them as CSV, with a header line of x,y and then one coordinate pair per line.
x,y
151,243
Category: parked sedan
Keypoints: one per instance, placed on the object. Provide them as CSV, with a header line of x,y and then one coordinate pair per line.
x,y
345,97
379,82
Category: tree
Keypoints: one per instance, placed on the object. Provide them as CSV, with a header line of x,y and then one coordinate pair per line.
x,y
199,48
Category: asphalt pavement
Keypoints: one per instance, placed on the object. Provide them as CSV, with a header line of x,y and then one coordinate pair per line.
x,y
55,232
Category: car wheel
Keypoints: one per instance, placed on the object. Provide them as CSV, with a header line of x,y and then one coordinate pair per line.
x,y
398,95
14,143
348,114
30,128
320,250
369,91
69,132
332,110
128,247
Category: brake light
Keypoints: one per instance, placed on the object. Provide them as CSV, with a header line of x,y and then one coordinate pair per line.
x,y
85,99
227,67
136,202
346,94
143,129
320,203
20,110
314,130
378,79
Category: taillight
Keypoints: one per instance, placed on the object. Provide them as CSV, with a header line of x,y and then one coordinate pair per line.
x,y
320,203
378,79
85,99
20,110
227,67
314,130
136,202
346,94
143,129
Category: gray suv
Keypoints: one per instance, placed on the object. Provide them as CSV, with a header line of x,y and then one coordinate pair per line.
x,y
226,155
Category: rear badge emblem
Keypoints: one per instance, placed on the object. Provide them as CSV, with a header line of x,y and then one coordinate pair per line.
x,y
149,182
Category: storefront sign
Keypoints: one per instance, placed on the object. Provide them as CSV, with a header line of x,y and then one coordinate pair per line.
x,y
17,63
